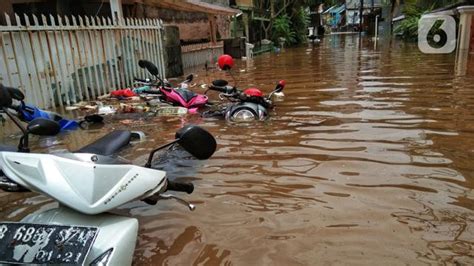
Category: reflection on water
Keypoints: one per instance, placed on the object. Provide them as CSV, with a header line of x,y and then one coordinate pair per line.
x,y
367,159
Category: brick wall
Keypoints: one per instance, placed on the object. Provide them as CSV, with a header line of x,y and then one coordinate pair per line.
x,y
193,26
192,31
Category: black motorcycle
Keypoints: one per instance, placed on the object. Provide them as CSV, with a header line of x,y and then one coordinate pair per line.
x,y
247,105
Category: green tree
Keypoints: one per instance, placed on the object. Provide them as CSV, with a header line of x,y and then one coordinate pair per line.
x,y
408,28
286,18
282,29
413,10
300,21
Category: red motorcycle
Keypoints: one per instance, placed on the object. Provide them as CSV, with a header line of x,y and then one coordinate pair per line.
x,y
180,96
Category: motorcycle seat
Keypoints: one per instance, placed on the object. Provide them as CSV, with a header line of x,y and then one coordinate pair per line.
x,y
187,95
108,144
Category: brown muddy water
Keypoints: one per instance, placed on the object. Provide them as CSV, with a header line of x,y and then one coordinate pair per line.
x,y
367,160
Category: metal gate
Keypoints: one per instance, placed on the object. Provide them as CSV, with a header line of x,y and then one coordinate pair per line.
x,y
59,61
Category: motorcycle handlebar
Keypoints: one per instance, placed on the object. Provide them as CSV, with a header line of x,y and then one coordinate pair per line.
x,y
171,186
226,90
180,187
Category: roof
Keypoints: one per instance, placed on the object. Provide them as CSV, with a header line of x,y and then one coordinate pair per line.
x,y
339,10
466,9
450,10
193,6
329,10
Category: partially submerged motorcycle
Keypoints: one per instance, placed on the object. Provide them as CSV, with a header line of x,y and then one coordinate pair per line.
x,y
180,96
87,184
27,112
247,105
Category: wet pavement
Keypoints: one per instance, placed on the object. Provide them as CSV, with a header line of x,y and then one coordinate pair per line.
x,y
366,160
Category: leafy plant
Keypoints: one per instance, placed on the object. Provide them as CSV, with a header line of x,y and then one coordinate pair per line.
x,y
282,29
300,24
414,9
408,28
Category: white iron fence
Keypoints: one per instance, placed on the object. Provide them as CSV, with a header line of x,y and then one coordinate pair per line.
x,y
62,60
198,54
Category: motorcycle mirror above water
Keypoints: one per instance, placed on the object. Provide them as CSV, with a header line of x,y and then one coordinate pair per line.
x,y
195,140
40,127
5,97
189,78
16,94
152,68
220,83
279,88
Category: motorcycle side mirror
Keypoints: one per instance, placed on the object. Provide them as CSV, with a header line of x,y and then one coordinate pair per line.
x,y
220,83
38,126
43,127
16,93
152,68
5,97
280,86
190,78
195,140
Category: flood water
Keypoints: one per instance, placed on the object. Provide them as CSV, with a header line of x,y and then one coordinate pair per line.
x,y
366,160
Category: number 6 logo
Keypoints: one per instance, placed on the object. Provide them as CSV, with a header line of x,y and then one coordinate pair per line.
x,y
437,34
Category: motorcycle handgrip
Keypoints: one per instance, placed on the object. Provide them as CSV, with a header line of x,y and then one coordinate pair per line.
x,y
180,187
226,89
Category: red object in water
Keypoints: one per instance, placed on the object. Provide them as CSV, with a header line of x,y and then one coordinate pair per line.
x,y
253,92
123,93
225,62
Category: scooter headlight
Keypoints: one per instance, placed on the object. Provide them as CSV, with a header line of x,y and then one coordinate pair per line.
x,y
243,116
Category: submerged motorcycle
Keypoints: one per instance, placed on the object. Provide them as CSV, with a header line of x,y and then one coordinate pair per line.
x,y
247,105
87,184
27,112
180,96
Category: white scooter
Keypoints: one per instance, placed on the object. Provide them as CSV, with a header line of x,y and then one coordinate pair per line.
x,y
87,184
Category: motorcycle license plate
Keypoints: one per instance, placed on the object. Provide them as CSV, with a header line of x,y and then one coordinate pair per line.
x,y
171,110
22,243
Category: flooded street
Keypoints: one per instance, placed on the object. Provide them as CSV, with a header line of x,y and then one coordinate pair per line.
x,y
367,159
